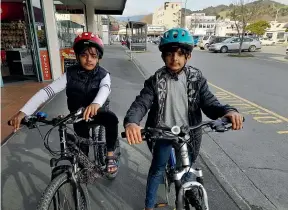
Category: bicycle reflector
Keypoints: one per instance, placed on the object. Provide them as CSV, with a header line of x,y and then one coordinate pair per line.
x,y
175,130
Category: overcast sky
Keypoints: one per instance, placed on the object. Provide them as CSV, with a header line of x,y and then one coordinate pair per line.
x,y
134,7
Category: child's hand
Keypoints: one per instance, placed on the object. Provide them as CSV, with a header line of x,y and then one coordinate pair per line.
x,y
236,119
90,111
15,121
133,133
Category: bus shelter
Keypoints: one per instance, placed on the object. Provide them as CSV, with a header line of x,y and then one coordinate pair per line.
x,y
136,32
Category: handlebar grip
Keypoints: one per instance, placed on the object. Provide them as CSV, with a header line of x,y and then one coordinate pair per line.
x,y
226,120
23,122
123,135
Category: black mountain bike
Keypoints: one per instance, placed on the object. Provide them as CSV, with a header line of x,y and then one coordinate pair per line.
x,y
76,169
188,181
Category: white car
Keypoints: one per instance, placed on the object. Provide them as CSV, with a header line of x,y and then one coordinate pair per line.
x,y
267,41
233,44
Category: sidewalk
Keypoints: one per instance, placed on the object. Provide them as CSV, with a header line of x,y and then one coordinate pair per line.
x,y
13,97
254,187
25,165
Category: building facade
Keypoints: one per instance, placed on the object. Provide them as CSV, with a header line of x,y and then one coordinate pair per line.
x,y
226,28
167,15
200,24
38,35
277,32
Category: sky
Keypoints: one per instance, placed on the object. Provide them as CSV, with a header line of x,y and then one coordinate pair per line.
x,y
133,7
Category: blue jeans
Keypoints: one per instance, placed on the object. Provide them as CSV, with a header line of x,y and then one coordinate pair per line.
x,y
161,156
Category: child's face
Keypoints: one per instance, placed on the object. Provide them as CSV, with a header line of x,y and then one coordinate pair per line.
x,y
175,61
89,58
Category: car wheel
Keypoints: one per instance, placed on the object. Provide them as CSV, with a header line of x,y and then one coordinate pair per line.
x,y
206,46
201,48
224,49
252,48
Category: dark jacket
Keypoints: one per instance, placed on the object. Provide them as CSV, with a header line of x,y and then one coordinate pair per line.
x,y
83,86
153,96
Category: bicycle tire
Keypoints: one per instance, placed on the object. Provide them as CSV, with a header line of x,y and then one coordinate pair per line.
x,y
195,197
53,187
102,150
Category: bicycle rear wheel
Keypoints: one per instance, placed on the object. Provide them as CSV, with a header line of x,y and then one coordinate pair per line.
x,y
53,198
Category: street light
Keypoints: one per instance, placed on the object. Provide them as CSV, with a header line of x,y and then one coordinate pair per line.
x,y
185,14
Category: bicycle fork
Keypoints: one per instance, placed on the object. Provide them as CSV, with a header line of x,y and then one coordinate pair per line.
x,y
180,187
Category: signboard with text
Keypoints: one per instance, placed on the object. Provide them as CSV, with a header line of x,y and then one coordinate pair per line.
x,y
45,65
68,58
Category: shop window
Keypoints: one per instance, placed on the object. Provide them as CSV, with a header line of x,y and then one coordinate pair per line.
x,y
70,23
23,37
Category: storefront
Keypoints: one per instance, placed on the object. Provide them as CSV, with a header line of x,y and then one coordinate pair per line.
x,y
30,51
23,42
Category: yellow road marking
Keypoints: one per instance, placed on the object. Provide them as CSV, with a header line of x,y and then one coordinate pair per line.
x,y
251,103
282,132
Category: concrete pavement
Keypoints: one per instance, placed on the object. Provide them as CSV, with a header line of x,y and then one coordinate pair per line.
x,y
25,170
252,162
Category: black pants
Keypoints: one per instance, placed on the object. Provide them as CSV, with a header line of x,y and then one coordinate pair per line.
x,y
106,118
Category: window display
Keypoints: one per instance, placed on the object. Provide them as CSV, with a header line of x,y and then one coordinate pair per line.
x,y
13,35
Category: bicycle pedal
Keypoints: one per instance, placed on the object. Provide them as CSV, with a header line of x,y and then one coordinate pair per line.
x,y
160,205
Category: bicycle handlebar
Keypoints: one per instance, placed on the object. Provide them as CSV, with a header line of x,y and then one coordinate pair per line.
x,y
176,131
30,121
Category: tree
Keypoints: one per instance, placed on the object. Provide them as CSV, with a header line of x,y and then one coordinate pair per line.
x,y
278,9
242,13
258,27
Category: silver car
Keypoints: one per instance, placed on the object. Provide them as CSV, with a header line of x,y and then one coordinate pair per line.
x,y
233,44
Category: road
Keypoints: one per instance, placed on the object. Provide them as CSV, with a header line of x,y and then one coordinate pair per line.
x,y
276,52
25,170
254,160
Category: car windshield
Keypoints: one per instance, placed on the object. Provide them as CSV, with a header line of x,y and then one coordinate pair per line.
x,y
228,40
205,37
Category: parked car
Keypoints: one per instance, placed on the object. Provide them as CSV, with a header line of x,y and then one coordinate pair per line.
x,y
267,41
218,39
233,44
204,42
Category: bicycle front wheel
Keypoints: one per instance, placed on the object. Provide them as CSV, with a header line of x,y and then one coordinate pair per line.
x,y
195,197
63,194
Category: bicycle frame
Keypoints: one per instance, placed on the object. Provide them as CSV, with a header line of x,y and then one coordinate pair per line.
x,y
73,167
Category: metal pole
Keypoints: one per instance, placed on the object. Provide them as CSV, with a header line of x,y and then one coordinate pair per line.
x,y
185,14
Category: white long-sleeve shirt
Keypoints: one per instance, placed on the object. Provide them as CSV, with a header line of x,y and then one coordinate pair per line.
x,y
58,85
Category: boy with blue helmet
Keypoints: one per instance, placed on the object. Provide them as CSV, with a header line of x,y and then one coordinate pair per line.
x,y
175,95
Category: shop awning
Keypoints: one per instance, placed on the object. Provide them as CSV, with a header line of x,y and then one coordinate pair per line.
x,y
109,7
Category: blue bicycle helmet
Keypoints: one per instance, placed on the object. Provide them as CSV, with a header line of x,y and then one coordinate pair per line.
x,y
179,37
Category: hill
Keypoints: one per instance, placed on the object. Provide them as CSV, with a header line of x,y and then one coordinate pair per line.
x,y
266,10
147,19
